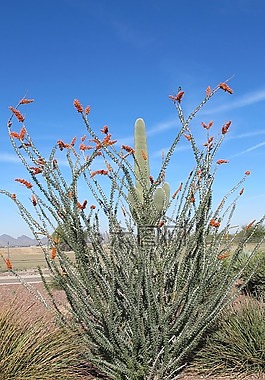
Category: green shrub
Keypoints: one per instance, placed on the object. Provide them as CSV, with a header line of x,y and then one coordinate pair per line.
x,y
143,301
34,349
237,345
253,275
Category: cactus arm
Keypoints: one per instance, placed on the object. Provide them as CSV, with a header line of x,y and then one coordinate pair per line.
x,y
141,167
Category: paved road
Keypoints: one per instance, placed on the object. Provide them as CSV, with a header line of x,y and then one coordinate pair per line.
x,y
9,280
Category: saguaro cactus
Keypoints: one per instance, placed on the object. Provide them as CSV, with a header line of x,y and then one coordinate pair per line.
x,y
148,202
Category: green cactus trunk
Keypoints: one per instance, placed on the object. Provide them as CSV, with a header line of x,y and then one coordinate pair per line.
x,y
148,203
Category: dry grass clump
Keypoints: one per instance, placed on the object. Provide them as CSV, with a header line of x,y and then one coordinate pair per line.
x,y
237,345
32,347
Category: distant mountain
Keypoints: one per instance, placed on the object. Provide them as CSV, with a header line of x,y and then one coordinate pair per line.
x,y
21,241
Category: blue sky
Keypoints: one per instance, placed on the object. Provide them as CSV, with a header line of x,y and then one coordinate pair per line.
x,y
124,58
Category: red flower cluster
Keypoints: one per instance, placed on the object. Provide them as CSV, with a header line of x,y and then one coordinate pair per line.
x,y
178,97
226,88
82,206
63,145
34,200
101,172
207,126
214,223
35,170
208,91
26,101
78,105
24,182
53,253
226,127
128,149
18,115
220,162
8,264
20,135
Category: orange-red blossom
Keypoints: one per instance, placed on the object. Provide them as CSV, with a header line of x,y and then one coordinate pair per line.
x,y
220,162
35,170
53,253
177,191
207,126
100,171
128,149
178,97
226,88
26,101
223,256
78,105
34,200
18,115
105,129
226,127
24,182
82,206
250,224
208,91
214,223
21,135
85,147
8,264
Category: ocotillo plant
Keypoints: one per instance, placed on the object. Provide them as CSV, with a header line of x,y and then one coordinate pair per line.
x,y
140,308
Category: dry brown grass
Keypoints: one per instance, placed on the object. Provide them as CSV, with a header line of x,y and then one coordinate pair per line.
x,y
25,258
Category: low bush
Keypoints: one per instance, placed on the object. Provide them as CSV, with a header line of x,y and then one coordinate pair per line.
x,y
35,349
254,275
238,343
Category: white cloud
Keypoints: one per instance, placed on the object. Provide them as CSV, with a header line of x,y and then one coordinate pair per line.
x,y
243,101
254,147
163,126
11,158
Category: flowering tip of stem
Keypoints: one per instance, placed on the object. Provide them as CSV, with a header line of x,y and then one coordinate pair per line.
x,y
82,206
26,101
18,115
128,149
220,162
53,253
87,110
214,223
178,97
101,172
223,256
207,126
225,127
34,200
226,88
188,137
78,105
8,264
250,224
208,91
105,130
24,182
